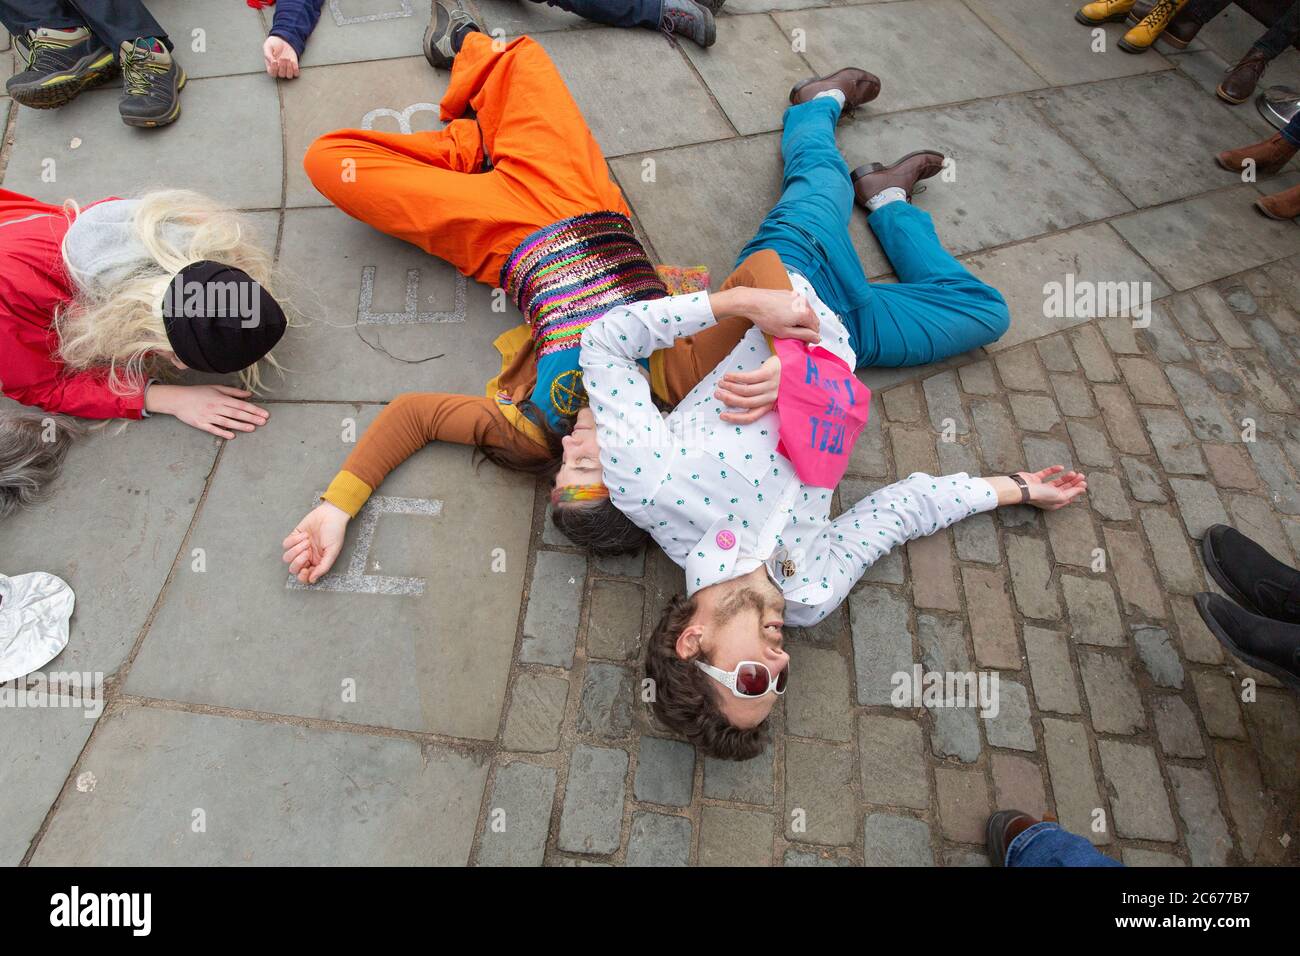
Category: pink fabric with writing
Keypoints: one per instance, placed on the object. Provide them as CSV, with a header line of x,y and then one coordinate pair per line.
x,y
822,407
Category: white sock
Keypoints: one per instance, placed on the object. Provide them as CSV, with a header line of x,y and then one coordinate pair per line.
x,y
839,97
885,197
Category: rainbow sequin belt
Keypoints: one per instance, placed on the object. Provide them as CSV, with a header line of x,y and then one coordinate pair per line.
x,y
567,275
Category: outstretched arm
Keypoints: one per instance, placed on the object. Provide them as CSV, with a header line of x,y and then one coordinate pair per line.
x,y
917,506
405,426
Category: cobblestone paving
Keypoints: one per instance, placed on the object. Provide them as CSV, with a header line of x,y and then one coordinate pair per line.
x,y
497,717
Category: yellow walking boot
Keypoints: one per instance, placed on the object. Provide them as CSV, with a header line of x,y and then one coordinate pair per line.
x,y
1142,36
1104,11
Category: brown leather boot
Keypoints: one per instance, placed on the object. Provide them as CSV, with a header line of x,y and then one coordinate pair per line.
x,y
1242,79
1270,155
1140,11
858,87
873,177
1283,205
1182,30
1003,827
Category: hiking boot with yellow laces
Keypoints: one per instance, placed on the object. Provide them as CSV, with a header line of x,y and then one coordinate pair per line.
x,y
1142,36
151,82
60,64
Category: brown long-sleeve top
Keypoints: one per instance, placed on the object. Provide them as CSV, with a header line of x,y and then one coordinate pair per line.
x,y
414,419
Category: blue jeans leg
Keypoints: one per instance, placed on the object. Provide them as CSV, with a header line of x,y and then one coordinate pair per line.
x,y
1291,131
936,310
614,13
809,226
1046,844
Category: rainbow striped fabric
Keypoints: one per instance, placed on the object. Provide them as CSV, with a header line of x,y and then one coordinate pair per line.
x,y
569,274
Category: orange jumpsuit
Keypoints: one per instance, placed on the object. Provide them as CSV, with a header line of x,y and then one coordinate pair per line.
x,y
431,189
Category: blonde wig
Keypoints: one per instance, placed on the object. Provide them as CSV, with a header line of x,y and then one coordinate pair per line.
x,y
120,327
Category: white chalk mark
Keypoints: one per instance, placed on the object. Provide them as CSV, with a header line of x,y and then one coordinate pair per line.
x,y
355,580
403,118
344,20
411,315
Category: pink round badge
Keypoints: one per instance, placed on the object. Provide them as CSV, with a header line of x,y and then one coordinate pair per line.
x,y
726,540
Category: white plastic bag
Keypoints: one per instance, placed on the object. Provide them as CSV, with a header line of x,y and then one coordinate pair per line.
x,y
34,613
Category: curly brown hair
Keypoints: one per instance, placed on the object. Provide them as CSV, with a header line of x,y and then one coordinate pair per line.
x,y
683,700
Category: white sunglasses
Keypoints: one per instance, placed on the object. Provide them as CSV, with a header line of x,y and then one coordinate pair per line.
x,y
749,679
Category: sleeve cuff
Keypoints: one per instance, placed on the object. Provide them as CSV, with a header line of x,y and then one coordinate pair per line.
x,y
348,492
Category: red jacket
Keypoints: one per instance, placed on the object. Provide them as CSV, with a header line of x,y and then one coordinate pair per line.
x,y
33,284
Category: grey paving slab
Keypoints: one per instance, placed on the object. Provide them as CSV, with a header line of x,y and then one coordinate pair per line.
x,y
665,771
819,800
593,800
892,762
747,781
626,82
367,30
1074,783
376,308
891,839
526,17
956,728
230,38
605,708
1164,114
551,623
735,837
392,96
1182,239
1025,273
518,816
658,840
738,181
413,629
818,702
38,748
750,71
536,710
882,641
270,794
1011,727
1063,54
908,45
146,480
1136,791
196,152
1208,840
978,209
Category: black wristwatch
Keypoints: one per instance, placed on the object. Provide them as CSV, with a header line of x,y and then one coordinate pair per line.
x,y
1024,488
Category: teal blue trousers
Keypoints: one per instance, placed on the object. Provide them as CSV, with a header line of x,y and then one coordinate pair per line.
x,y
937,309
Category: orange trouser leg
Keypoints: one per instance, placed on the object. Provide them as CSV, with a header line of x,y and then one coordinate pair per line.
x,y
532,129
425,188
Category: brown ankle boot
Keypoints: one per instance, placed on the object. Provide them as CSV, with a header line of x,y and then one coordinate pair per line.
x,y
1241,80
1003,827
873,177
1283,205
1182,29
1270,155
1140,11
858,87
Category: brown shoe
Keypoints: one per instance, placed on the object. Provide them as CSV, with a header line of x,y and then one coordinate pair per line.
x,y
1003,827
1182,30
1269,155
1140,11
873,177
1242,79
858,87
1283,205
